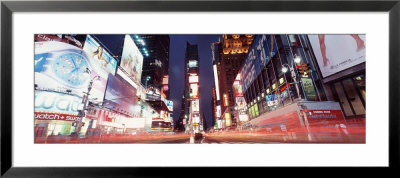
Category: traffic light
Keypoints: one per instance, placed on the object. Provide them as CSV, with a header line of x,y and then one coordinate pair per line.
x,y
300,69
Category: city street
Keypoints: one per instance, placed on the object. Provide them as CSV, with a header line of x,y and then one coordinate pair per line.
x,y
232,137
229,88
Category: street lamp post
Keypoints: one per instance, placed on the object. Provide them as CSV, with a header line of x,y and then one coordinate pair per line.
x,y
147,79
85,100
296,60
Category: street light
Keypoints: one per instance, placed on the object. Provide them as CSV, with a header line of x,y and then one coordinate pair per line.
x,y
285,68
147,79
85,98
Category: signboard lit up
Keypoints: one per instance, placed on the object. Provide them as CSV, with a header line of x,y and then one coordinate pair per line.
x,y
193,78
195,106
335,53
132,59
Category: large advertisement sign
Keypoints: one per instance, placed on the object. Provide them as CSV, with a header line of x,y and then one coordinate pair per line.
x,y
335,53
121,96
132,59
309,89
262,50
153,93
54,102
195,118
241,103
61,67
237,87
195,106
76,40
102,60
271,100
193,78
194,90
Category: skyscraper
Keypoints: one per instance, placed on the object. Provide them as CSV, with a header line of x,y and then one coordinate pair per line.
x,y
192,88
232,52
155,50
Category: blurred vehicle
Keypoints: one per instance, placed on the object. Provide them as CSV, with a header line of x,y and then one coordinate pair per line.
x,y
161,126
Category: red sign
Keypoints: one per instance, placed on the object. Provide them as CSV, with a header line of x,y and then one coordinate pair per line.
x,y
324,118
55,116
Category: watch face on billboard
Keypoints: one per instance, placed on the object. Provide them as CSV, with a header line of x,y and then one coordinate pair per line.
x,y
132,59
335,53
63,67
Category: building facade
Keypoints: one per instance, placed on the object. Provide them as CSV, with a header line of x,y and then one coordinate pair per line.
x,y
192,89
229,56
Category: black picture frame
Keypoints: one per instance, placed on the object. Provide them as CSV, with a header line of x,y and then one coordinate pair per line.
x,y
8,7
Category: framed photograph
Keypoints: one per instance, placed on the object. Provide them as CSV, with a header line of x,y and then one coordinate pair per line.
x,y
138,88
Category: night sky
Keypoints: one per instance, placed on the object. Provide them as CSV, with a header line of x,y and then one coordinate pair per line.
x,y
176,66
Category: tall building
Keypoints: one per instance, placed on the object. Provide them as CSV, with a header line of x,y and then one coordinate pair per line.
x,y
229,56
290,78
192,88
155,50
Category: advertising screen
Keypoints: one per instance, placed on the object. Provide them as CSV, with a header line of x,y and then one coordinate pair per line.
x,y
193,78
61,67
309,89
271,100
121,96
335,53
195,106
153,93
132,59
101,59
170,105
195,118
241,103
194,93
218,111
192,63
54,102
237,88
76,40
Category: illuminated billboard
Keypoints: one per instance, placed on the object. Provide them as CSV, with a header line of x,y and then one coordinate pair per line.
x,y
192,63
165,80
193,78
261,51
132,59
170,105
153,93
226,100
195,106
121,96
195,118
76,40
54,102
218,111
194,91
237,88
102,60
60,66
335,53
240,103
